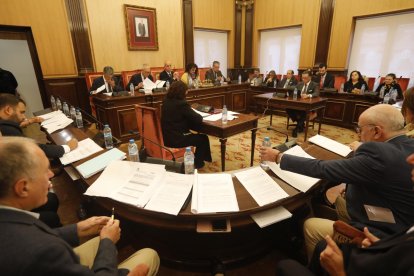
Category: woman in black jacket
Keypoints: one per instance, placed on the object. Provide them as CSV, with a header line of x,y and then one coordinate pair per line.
x,y
177,118
355,83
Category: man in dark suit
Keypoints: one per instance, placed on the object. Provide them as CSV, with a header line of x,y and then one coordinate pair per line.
x,y
307,89
325,79
214,74
138,79
379,191
289,81
29,247
167,74
106,83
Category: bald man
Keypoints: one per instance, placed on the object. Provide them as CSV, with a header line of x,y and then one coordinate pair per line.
x,y
167,74
138,79
379,193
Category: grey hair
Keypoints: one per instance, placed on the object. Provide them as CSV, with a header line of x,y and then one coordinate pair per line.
x,y
386,116
108,70
17,159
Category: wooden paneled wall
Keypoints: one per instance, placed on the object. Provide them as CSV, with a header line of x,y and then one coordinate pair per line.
x,y
345,12
49,23
216,15
270,14
109,38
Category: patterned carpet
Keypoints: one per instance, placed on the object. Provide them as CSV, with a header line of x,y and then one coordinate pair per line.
x,y
238,146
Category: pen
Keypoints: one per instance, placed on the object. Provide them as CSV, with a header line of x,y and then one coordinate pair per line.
x,y
113,213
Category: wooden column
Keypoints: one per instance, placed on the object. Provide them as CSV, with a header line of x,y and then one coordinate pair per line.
x,y
324,31
248,37
188,31
237,36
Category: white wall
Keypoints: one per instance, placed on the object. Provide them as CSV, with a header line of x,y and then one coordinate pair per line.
x,y
15,57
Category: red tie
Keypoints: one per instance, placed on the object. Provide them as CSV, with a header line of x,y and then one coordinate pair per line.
x,y
321,82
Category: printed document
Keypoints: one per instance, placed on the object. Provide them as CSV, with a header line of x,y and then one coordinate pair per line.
x,y
85,148
331,145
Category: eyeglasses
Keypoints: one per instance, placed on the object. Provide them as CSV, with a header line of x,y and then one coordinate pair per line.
x,y
358,129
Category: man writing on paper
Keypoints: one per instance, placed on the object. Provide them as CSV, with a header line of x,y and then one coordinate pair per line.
x,y
379,191
106,83
29,247
138,79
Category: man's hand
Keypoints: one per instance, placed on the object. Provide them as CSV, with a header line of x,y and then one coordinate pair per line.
x,y
111,231
139,270
369,238
354,145
91,226
332,259
112,83
268,154
140,85
72,143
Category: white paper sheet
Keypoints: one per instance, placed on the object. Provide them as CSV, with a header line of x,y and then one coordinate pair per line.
x,y
85,148
149,84
49,115
172,193
298,181
271,216
215,193
330,145
261,186
216,117
203,114
100,162
55,121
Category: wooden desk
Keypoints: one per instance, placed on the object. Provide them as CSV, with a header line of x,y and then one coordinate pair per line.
x,y
307,105
243,123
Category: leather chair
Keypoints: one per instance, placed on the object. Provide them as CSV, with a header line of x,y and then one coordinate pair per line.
x,y
155,72
127,75
339,80
89,78
403,82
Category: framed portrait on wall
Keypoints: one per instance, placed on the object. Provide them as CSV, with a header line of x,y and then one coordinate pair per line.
x,y
141,27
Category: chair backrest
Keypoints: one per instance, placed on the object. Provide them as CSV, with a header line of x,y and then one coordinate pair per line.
x,y
371,82
202,72
339,80
155,72
149,127
127,75
180,71
90,77
403,82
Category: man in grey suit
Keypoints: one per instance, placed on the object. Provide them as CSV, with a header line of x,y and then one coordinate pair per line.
x,y
289,81
30,247
307,89
214,74
379,193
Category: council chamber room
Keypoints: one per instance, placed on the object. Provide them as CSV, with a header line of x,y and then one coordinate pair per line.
x,y
218,137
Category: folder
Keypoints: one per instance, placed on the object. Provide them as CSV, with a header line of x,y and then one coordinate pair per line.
x,y
100,162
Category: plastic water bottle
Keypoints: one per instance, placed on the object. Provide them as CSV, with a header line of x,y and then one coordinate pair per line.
x,y
131,89
341,89
295,94
239,79
133,151
267,144
188,161
363,89
72,113
167,85
274,84
109,144
386,98
66,109
53,103
79,120
382,91
58,104
224,115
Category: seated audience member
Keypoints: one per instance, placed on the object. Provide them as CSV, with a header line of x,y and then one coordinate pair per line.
x,y
389,84
106,82
138,79
190,76
167,74
29,247
355,82
271,79
8,83
307,89
255,79
289,81
325,79
377,177
12,114
177,119
214,74
408,111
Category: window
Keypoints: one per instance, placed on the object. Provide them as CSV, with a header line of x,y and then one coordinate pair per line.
x,y
210,46
280,50
384,45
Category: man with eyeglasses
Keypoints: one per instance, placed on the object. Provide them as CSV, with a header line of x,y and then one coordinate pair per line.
x,y
379,193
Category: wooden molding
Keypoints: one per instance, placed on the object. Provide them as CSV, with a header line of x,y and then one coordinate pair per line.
x,y
188,31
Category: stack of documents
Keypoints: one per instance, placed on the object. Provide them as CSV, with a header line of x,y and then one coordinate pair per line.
x,y
213,193
215,117
85,148
331,145
261,186
54,121
298,181
100,162
271,216
149,84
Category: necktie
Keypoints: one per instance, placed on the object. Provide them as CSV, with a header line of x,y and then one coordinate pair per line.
x,y
322,81
305,89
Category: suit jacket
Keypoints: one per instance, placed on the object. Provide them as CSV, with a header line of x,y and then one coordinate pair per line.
x,y
165,77
98,82
273,83
329,81
313,88
11,128
30,247
291,84
387,88
177,118
377,175
349,86
210,75
137,79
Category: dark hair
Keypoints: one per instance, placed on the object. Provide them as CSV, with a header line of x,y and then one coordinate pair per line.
x,y
321,65
216,62
408,102
360,78
307,72
177,90
8,99
190,66
272,71
293,71
392,75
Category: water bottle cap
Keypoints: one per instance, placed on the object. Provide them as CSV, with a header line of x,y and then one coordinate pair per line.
x,y
106,125
267,139
131,141
224,106
187,149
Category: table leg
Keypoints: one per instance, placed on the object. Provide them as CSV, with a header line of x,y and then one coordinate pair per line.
x,y
320,120
306,126
253,145
223,142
